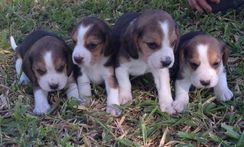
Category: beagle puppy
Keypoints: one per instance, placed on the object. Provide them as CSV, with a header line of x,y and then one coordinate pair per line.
x,y
46,61
201,64
92,54
145,43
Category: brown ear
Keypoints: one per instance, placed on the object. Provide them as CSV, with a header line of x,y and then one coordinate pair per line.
x,y
225,53
130,40
27,68
74,34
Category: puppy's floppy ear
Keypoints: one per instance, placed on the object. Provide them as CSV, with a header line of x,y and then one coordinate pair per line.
x,y
181,54
225,50
130,40
74,33
27,68
177,32
108,50
68,53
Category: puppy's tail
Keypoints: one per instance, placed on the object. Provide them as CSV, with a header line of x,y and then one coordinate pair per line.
x,y
13,43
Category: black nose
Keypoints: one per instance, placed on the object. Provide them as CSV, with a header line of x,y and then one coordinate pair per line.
x,y
53,86
78,59
166,62
205,82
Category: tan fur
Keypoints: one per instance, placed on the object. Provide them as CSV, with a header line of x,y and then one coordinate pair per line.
x,y
97,53
112,82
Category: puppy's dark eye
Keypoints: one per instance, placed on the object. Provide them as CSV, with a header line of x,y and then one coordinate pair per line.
x,y
152,45
91,46
41,71
216,64
194,65
61,68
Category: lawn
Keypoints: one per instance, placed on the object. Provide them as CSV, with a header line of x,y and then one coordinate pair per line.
x,y
206,122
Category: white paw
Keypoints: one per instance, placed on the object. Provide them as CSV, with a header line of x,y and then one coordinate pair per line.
x,y
125,97
113,110
41,109
85,101
168,108
179,106
225,95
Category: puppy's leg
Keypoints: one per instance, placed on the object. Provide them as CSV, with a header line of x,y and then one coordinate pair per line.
x,y
112,92
41,103
122,76
162,81
181,94
222,90
18,66
72,89
84,88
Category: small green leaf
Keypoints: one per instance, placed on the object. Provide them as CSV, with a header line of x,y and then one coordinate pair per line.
x,y
230,131
143,128
127,143
240,143
186,136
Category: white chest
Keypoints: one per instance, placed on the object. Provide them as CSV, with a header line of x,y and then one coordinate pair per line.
x,y
94,73
137,67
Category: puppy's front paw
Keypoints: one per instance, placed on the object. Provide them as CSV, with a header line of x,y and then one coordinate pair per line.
x,y
179,105
167,108
85,101
41,109
113,110
125,97
224,95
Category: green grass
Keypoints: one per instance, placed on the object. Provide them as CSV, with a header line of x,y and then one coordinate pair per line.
x,y
206,121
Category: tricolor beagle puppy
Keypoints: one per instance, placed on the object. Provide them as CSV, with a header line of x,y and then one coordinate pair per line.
x,y
92,54
145,43
46,61
201,63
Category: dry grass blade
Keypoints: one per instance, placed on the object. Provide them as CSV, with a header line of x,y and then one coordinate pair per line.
x,y
163,139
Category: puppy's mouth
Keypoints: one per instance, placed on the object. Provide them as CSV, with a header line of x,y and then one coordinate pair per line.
x,y
202,86
52,87
166,65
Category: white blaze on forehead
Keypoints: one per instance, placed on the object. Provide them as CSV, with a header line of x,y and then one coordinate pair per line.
x,y
82,30
165,29
48,61
203,53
